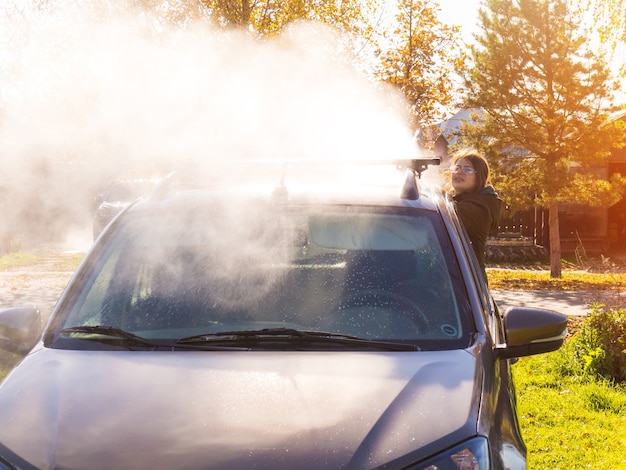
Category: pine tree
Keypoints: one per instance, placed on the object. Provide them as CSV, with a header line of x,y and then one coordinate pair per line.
x,y
547,100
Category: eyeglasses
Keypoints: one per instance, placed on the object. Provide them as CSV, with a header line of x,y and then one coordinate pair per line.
x,y
462,169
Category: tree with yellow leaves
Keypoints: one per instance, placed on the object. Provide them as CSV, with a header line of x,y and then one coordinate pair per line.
x,y
263,18
419,58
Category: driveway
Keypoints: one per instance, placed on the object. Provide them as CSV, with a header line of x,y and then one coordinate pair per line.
x,y
567,302
32,287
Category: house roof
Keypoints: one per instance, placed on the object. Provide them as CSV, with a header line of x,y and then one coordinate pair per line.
x,y
450,128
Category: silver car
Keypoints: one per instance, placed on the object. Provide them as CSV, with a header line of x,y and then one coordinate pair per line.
x,y
305,326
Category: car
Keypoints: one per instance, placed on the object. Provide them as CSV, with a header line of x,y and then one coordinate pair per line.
x,y
274,322
117,195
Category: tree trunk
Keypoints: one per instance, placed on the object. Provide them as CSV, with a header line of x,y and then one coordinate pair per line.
x,y
555,241
246,11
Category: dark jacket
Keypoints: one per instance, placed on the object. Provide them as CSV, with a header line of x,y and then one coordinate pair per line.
x,y
480,214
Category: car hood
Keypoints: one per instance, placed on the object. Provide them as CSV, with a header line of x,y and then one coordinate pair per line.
x,y
103,409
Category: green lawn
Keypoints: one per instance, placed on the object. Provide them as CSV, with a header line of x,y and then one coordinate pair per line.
x,y
11,260
569,422
503,279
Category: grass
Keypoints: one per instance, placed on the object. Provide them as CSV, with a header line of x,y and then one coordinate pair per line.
x,y
512,279
7,362
57,263
569,421
11,260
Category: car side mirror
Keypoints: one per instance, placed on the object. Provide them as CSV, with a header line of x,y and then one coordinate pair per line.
x,y
20,328
531,331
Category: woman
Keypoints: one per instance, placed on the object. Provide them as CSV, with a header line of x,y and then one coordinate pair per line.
x,y
477,203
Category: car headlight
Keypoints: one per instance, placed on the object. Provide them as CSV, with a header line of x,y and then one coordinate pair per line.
x,y
470,455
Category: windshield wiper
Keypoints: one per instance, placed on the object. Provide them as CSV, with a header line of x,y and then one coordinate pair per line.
x,y
107,334
271,337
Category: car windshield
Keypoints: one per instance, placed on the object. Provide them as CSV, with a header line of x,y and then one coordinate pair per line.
x,y
384,275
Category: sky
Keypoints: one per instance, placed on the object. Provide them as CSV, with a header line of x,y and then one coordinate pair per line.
x,y
465,14
460,12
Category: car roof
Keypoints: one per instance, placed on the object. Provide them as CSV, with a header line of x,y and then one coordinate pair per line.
x,y
389,183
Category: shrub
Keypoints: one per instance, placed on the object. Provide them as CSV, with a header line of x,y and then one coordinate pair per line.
x,y
599,347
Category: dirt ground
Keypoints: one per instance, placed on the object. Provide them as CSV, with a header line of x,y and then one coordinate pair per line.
x,y
39,285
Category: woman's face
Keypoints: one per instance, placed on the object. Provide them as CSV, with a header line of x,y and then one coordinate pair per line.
x,y
463,176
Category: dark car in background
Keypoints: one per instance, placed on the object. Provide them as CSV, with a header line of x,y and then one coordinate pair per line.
x,y
116,196
292,324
